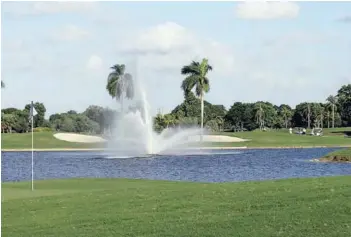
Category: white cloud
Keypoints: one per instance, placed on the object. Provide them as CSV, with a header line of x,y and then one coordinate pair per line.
x,y
164,38
70,33
94,62
169,46
268,73
266,10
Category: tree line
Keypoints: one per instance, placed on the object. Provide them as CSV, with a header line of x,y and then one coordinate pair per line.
x,y
241,116
94,120
193,111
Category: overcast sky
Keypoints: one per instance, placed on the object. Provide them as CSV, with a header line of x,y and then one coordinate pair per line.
x,y
60,53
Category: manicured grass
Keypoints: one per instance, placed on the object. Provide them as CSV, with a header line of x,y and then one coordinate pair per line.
x,y
314,207
42,140
282,138
338,156
278,138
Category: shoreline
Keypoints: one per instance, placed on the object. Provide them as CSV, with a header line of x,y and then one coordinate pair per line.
x,y
196,148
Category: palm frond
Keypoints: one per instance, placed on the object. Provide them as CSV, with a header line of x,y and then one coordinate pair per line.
x,y
113,76
199,89
189,83
119,68
206,85
192,68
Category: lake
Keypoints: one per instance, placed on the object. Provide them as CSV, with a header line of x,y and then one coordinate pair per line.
x,y
212,166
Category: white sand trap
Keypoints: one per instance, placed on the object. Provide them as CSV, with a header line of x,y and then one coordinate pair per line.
x,y
217,138
73,137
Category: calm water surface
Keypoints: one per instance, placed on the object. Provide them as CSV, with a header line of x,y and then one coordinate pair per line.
x,y
215,166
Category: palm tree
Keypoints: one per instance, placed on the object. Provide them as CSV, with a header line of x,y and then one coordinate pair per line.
x,y
332,100
196,74
327,112
119,82
168,119
2,84
286,115
307,112
259,115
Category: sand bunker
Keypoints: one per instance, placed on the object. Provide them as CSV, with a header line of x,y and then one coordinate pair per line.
x,y
73,137
217,138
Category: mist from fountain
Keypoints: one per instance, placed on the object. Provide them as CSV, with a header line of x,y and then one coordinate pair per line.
x,y
133,134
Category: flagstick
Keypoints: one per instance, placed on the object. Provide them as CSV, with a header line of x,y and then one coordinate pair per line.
x,y
32,156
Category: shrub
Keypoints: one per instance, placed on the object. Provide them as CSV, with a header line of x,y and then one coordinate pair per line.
x,y
42,129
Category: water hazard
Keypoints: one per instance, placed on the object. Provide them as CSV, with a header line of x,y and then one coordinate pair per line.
x,y
198,166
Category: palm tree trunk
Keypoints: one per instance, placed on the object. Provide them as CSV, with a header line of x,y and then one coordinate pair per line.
x,y
333,115
202,114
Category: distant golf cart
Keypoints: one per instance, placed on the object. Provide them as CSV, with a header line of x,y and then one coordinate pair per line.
x,y
300,131
317,132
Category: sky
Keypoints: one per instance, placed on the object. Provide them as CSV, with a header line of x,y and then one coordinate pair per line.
x,y
60,53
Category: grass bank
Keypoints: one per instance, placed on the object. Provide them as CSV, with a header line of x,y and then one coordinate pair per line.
x,y
42,140
314,207
277,138
282,138
338,156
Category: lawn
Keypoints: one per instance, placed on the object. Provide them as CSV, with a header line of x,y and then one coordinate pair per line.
x,y
313,207
282,138
42,140
274,138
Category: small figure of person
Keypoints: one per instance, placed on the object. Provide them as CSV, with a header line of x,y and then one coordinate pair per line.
x,y
290,130
304,131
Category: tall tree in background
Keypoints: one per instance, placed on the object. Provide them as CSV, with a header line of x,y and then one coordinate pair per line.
x,y
332,100
344,102
308,114
120,83
286,113
260,115
196,74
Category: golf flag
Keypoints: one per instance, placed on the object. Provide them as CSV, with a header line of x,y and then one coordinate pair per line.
x,y
32,111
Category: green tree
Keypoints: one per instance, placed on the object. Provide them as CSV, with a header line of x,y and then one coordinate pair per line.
x,y
286,113
344,101
196,74
7,122
120,83
332,101
260,115
39,119
96,114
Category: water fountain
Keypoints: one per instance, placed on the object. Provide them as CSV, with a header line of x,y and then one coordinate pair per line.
x,y
133,134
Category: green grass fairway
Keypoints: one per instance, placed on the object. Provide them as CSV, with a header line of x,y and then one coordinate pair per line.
x,y
316,207
42,140
279,138
282,138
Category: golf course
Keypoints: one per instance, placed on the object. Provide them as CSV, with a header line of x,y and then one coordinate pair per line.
x,y
314,207
180,119
256,139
